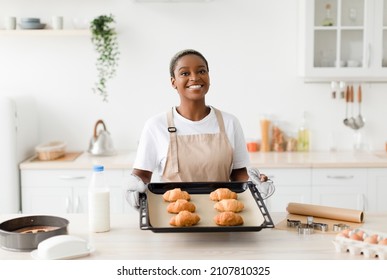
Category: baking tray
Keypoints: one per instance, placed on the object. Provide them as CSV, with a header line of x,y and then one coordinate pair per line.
x,y
154,215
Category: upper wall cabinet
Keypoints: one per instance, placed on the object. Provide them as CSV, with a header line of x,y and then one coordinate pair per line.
x,y
343,39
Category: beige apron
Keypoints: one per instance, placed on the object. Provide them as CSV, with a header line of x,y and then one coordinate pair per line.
x,y
198,157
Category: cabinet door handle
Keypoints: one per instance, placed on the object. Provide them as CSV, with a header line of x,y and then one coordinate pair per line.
x,y
369,51
68,177
76,205
361,202
68,205
340,177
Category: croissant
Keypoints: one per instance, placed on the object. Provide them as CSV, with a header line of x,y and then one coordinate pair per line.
x,y
222,193
180,205
229,205
184,219
175,194
228,219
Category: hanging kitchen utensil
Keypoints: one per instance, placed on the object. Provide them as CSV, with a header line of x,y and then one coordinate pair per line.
x,y
347,97
352,120
334,87
342,89
359,120
101,144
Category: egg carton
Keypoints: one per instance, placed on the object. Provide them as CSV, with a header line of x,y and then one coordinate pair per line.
x,y
360,247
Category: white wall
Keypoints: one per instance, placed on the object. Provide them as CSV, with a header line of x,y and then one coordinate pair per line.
x,y
251,47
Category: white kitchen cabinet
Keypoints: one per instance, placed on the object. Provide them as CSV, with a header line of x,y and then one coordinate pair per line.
x,y
352,48
377,189
340,187
65,191
291,185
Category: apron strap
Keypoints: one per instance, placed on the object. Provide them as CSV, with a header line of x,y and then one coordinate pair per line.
x,y
173,142
219,118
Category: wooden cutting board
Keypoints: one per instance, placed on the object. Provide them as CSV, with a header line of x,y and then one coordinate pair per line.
x,y
67,157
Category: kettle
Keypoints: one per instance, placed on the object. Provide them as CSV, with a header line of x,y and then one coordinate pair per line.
x,y
101,144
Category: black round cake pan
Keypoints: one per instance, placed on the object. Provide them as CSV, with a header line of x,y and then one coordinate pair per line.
x,y
25,233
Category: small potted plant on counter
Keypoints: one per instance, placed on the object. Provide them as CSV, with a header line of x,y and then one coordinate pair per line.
x,y
104,39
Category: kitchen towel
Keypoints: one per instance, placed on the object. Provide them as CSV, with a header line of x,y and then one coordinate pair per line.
x,y
333,213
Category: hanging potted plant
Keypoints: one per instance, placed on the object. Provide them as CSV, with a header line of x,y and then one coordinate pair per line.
x,y
104,39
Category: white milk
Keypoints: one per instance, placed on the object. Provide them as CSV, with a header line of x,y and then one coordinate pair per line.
x,y
99,211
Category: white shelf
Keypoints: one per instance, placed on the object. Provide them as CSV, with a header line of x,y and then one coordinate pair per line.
x,y
171,1
45,32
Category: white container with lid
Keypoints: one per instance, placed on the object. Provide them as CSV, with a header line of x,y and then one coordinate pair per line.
x,y
51,150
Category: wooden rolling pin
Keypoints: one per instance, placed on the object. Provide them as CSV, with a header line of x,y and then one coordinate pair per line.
x,y
333,213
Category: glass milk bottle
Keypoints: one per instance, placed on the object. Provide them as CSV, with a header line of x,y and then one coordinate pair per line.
x,y
99,201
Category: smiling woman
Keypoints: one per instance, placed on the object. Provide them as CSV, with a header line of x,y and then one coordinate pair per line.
x,y
193,141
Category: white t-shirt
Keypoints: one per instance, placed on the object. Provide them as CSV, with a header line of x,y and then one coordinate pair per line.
x,y
154,141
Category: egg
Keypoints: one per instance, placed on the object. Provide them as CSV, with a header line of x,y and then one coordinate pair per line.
x,y
373,239
360,233
356,237
383,241
345,232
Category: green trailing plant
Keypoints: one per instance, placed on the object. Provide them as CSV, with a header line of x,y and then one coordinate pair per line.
x,y
104,39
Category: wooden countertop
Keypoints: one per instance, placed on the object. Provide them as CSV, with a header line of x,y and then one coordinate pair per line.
x,y
124,160
126,241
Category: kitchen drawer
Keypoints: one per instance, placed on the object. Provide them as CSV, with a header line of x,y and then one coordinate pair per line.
x,y
288,176
63,178
339,176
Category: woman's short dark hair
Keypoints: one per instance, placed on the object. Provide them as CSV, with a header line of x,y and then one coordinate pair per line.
x,y
180,54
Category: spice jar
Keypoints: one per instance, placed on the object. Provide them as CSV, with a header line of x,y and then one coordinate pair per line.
x,y
265,129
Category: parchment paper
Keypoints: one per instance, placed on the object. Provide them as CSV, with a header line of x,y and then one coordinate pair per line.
x,y
333,213
159,216
321,214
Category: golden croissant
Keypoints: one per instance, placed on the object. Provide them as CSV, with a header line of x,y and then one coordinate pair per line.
x,y
228,219
184,219
175,194
222,193
180,205
231,204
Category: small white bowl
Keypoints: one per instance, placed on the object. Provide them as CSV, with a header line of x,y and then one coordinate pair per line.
x,y
30,20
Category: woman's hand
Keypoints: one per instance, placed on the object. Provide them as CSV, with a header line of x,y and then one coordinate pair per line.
x,y
263,177
137,184
239,175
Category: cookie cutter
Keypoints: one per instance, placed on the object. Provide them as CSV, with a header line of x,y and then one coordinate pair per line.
x,y
321,226
340,227
305,229
308,227
293,223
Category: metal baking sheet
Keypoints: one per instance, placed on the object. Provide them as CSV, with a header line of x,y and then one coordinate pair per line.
x,y
154,215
